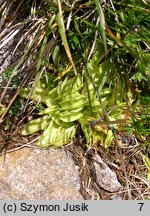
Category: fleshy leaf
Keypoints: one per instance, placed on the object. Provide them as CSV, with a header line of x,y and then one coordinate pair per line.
x,y
35,125
108,138
56,136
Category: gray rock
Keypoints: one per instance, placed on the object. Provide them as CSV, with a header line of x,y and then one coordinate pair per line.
x,y
39,174
103,175
116,197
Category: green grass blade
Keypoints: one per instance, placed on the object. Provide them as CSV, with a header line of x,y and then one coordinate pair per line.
x,y
61,28
102,22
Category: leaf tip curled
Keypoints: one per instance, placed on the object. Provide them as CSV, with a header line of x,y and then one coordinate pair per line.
x,y
24,132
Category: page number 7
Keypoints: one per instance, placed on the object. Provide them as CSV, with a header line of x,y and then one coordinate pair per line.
x,y
141,205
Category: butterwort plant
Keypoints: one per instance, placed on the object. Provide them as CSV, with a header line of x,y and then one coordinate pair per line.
x,y
70,103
